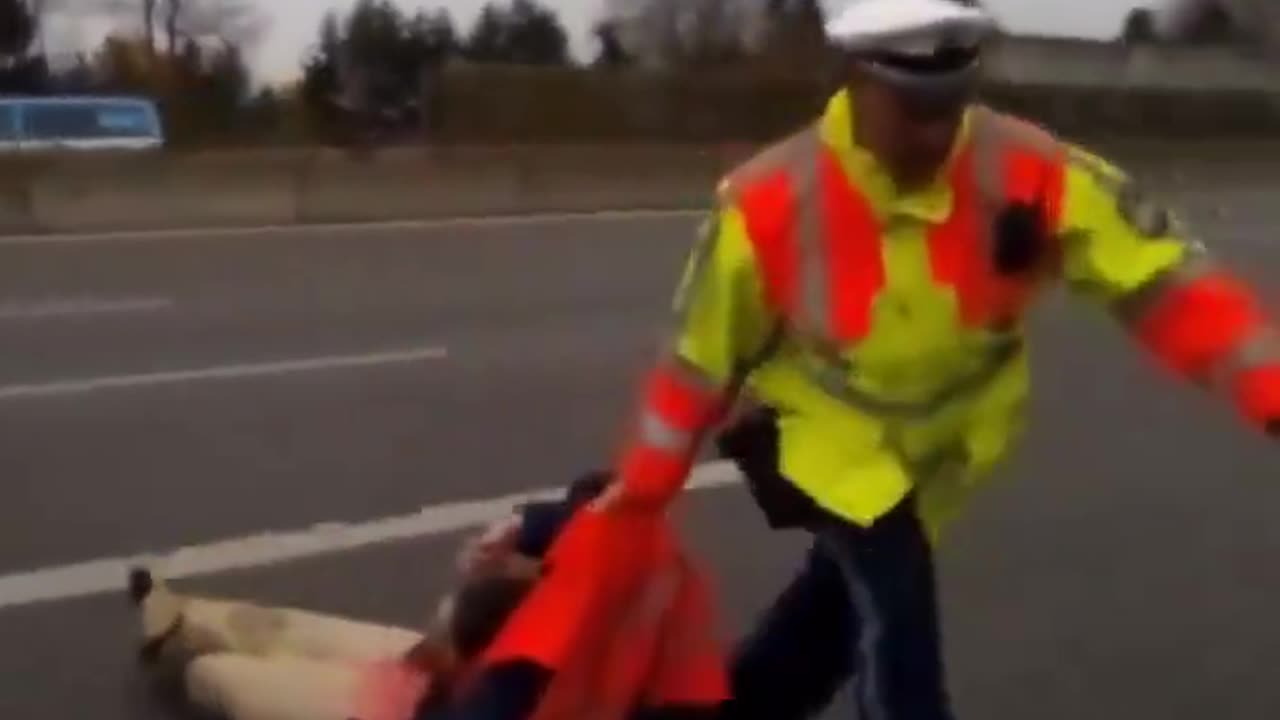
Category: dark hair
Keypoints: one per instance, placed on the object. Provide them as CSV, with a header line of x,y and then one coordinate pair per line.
x,y
481,608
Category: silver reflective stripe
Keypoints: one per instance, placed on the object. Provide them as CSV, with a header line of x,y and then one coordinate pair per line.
x,y
1259,350
655,431
1134,306
797,155
870,634
815,317
814,311
699,263
662,435
1111,182
836,384
988,170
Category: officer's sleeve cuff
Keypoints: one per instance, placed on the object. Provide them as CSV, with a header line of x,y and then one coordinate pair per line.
x,y
539,525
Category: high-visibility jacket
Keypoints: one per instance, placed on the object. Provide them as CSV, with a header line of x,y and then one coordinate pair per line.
x,y
622,618
887,328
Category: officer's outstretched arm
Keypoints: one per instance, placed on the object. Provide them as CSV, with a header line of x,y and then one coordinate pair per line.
x,y
1190,311
720,327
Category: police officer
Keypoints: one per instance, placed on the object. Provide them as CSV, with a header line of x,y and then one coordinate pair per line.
x,y
865,280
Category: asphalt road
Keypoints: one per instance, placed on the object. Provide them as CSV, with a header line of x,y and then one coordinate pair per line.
x,y
163,392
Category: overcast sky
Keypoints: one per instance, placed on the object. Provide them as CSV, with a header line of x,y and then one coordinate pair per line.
x,y
293,24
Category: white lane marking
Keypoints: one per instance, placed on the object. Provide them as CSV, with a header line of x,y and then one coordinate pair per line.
x,y
108,574
221,372
363,227
64,307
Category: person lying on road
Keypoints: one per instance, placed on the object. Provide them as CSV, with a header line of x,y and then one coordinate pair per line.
x,y
246,661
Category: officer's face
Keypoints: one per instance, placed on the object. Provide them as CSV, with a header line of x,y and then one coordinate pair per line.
x,y
912,133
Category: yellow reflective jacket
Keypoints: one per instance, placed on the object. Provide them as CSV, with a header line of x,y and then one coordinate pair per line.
x,y
1114,246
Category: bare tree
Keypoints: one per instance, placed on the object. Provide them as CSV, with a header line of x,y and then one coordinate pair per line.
x,y
149,24
172,14
231,22
671,32
42,10
1139,26
1248,20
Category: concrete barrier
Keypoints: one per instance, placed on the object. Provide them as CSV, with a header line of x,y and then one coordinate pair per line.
x,y
84,193
441,182
91,192
16,181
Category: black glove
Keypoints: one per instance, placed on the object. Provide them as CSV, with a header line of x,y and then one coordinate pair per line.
x,y
1273,428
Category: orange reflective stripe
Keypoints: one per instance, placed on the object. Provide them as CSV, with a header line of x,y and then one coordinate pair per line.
x,y
690,668
683,396
853,258
679,403
1195,325
1132,308
768,207
652,474
570,620
768,189
818,245
1036,166
958,247
1007,161
1256,393
645,603
630,651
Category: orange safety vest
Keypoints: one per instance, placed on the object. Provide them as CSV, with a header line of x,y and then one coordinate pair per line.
x,y
622,618
818,244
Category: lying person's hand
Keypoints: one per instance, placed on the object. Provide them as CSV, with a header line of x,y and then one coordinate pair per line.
x,y
430,655
489,552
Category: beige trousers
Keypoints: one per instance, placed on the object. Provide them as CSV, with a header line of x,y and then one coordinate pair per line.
x,y
245,687
245,661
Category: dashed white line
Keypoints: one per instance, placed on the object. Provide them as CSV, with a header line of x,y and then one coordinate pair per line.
x,y
71,306
221,372
108,574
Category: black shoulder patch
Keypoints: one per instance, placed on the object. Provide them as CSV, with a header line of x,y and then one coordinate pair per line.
x,y
1020,237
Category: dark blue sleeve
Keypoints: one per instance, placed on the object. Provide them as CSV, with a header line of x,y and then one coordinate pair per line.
x,y
541,523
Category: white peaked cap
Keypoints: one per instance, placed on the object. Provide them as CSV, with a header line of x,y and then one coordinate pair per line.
x,y
912,27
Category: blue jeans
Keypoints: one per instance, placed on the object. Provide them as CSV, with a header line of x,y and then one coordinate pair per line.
x,y
864,608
